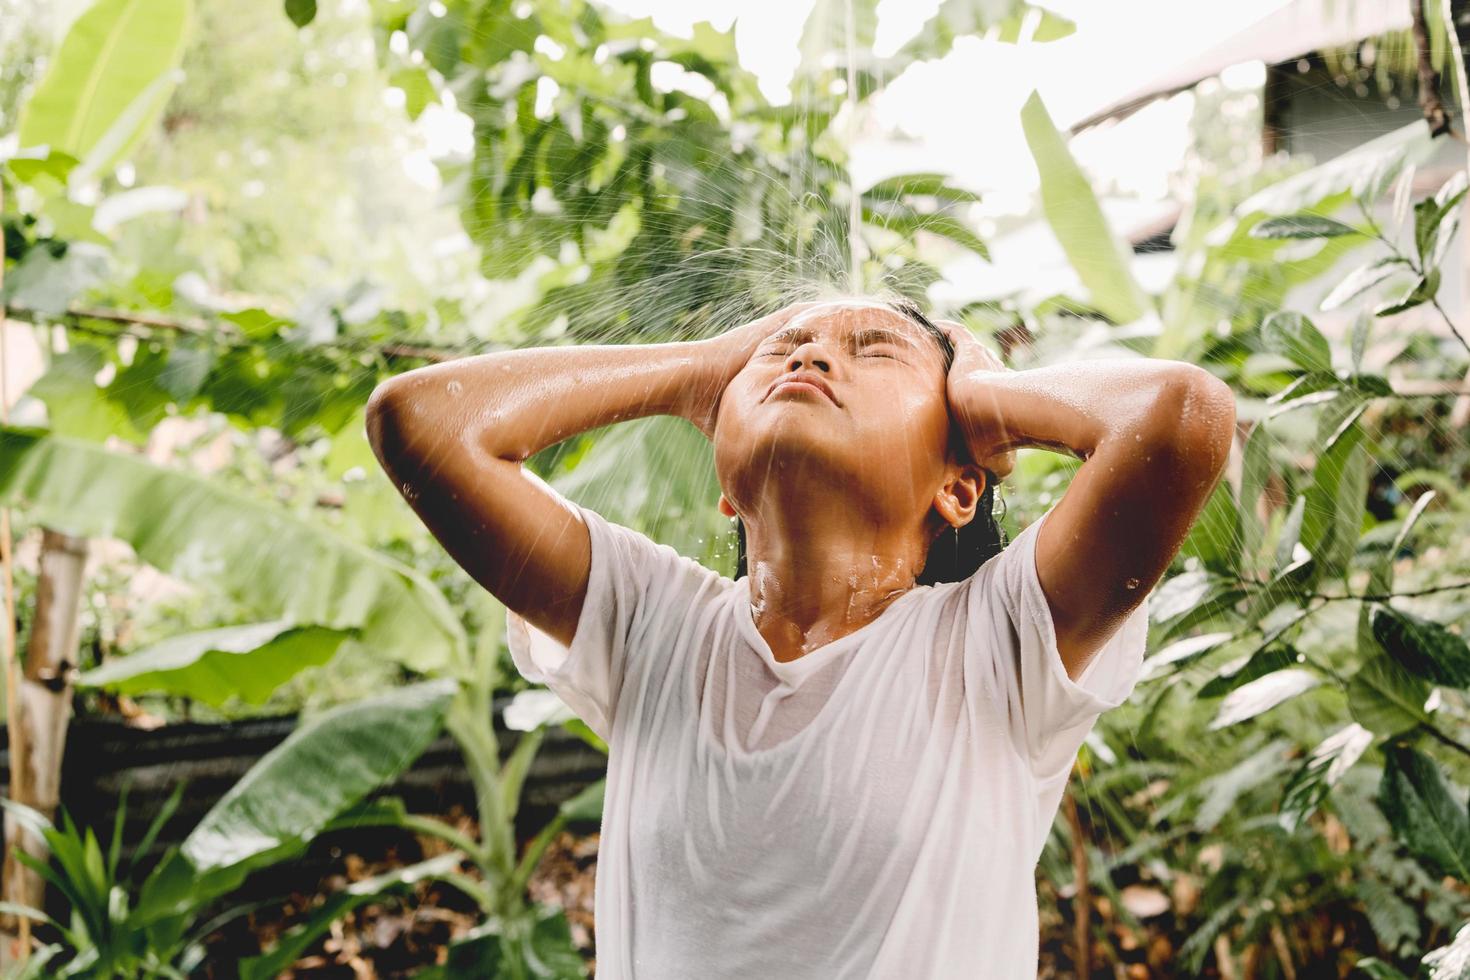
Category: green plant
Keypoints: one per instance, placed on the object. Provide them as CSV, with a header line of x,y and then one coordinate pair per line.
x,y
126,923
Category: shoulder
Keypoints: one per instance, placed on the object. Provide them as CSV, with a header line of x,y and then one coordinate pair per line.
x,y
656,580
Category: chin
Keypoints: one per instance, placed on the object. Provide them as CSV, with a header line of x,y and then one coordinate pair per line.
x,y
792,454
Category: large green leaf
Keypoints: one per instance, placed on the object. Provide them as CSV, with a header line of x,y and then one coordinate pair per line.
x,y
1302,226
1422,647
1387,699
198,531
1430,214
1263,694
1424,814
115,70
1184,650
1261,663
329,763
213,666
1101,260
1364,278
1293,335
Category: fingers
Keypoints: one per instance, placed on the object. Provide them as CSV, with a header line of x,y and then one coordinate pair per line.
x,y
956,333
966,344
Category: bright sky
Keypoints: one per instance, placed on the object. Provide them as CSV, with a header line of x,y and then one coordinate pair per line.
x,y
961,114
1118,46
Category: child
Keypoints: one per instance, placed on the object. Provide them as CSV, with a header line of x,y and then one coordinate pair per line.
x,y
824,767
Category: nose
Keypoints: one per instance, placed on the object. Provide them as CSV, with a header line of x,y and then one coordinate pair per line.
x,y
808,353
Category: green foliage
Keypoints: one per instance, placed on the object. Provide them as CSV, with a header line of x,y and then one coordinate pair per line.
x,y
213,666
1422,647
301,12
173,520
124,922
109,81
490,950
1423,811
1294,336
1302,226
1074,215
325,765
101,938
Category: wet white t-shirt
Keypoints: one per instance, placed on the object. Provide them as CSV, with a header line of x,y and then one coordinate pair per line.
x,y
875,808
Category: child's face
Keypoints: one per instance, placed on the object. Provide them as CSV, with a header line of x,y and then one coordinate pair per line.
x,y
882,435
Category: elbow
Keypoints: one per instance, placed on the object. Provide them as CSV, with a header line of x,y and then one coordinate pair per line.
x,y
380,414
1193,423
389,423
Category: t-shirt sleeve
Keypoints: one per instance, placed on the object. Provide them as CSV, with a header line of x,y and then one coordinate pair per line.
x,y
1011,659
633,581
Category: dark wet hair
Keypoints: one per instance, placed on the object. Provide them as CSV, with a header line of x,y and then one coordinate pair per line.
x,y
958,552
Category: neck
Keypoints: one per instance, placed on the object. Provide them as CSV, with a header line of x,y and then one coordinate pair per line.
x,y
815,577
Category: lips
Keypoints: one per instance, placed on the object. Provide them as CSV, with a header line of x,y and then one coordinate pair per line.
x,y
814,380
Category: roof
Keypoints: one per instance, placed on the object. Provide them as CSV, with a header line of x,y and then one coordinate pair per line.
x,y
1296,28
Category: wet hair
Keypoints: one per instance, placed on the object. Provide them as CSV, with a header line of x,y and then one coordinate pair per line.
x,y
958,552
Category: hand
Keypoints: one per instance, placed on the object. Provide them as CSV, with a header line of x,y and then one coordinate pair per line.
x,y
972,359
721,357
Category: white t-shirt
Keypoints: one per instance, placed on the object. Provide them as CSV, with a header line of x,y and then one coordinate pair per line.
x,y
875,808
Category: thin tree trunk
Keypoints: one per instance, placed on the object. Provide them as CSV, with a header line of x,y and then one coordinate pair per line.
x,y
1430,103
17,944
1457,27
43,701
1082,902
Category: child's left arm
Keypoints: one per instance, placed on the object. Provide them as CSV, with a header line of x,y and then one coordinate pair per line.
x,y
1154,436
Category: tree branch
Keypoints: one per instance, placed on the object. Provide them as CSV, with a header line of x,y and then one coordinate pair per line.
x,y
1387,596
75,318
1429,101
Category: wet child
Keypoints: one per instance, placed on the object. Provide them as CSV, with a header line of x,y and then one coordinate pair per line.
x,y
843,762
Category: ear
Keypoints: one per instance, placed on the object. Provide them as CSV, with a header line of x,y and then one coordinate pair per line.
x,y
957,499
725,507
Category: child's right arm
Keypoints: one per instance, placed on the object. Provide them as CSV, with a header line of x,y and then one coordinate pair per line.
x,y
453,438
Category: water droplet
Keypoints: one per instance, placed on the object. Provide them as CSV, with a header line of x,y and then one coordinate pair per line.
x,y
1132,583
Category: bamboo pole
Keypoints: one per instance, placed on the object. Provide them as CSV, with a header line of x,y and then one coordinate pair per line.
x,y
43,695
12,680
